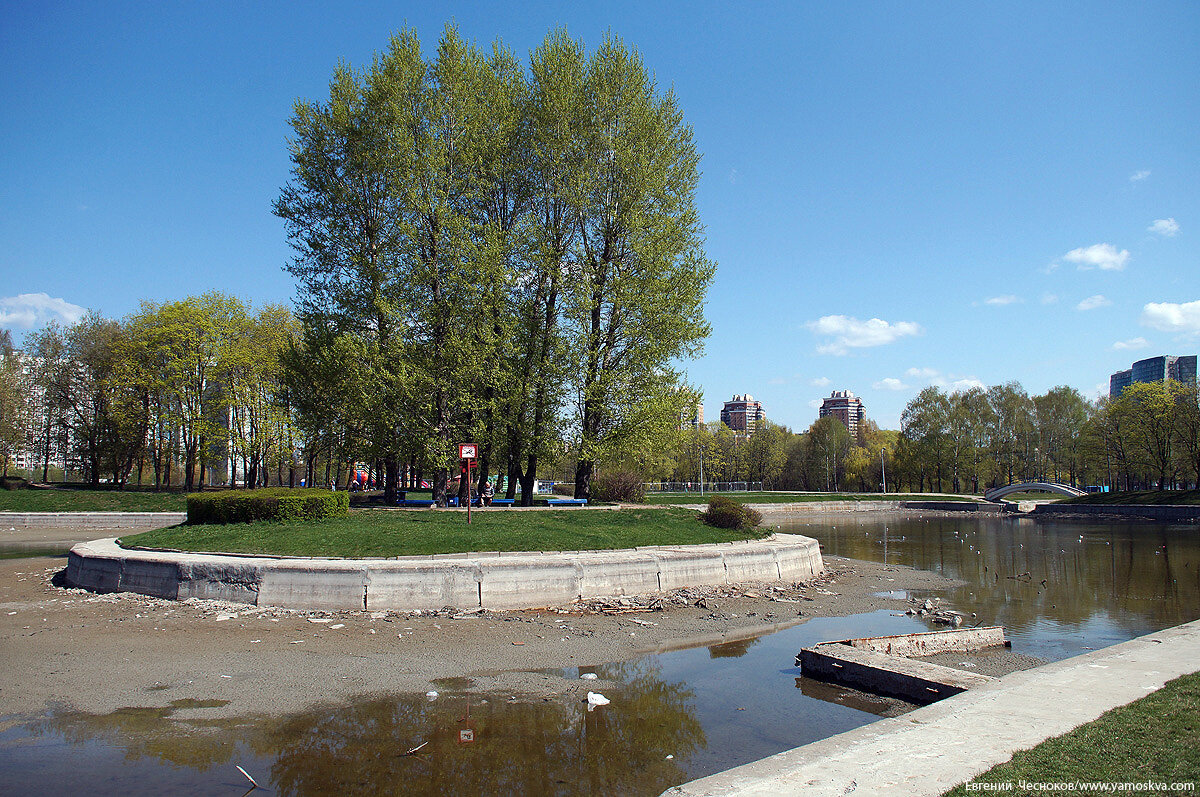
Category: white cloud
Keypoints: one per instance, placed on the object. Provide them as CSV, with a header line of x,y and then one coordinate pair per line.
x,y
1102,256
29,310
1169,317
821,381
1138,176
1131,344
938,379
1049,298
777,380
816,403
1093,302
1000,301
1168,228
889,383
851,333
733,176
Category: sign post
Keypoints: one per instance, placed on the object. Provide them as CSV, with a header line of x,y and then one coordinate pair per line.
x,y
468,452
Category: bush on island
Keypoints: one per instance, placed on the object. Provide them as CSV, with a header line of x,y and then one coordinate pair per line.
x,y
620,486
280,503
725,513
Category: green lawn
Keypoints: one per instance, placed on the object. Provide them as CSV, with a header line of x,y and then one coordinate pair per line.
x,y
383,533
794,498
1139,497
82,500
1155,739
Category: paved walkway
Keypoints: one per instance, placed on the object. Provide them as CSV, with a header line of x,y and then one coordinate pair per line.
x,y
935,748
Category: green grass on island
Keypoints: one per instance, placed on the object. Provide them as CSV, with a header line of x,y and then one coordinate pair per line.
x,y
1152,739
1166,497
87,500
384,533
797,498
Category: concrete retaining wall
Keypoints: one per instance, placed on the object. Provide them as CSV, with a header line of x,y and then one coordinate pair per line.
x,y
915,681
1168,512
487,580
91,520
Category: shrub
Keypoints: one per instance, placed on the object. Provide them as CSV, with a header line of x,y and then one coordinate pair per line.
x,y
13,483
563,488
725,513
619,486
248,506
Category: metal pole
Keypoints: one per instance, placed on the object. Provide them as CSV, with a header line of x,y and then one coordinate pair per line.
x,y
468,492
883,467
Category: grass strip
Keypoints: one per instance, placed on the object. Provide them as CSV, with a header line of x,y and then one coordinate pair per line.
x,y
1154,739
1139,497
385,533
70,500
795,498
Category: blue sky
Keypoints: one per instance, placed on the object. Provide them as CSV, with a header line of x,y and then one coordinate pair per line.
x,y
897,194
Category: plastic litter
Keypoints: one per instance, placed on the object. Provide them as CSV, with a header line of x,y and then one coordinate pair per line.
x,y
432,694
596,699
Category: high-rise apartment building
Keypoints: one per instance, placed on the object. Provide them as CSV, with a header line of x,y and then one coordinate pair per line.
x,y
692,417
1154,369
741,413
847,408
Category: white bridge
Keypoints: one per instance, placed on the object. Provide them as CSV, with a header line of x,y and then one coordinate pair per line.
x,y
996,493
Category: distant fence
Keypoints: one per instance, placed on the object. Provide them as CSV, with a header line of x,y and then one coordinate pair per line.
x,y
706,487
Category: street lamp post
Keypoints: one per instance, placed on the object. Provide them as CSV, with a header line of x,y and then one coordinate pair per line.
x,y
883,467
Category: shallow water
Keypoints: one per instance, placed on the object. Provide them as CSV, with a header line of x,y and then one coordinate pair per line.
x,y
674,716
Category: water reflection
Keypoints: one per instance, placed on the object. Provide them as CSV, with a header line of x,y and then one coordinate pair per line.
x,y
515,747
1061,588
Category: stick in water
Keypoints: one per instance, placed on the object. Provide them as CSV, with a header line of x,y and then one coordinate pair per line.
x,y
247,774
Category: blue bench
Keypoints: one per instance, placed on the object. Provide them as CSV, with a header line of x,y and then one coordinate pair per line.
x,y
566,502
503,501
413,503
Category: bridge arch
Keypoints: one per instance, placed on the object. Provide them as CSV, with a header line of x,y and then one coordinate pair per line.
x,y
996,493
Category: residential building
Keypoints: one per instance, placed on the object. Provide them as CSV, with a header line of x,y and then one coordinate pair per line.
x,y
847,408
1154,369
692,417
741,413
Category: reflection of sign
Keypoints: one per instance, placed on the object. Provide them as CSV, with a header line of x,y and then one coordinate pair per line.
x,y
466,736
467,451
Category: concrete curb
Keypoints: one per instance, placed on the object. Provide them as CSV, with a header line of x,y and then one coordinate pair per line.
x,y
485,580
91,520
935,748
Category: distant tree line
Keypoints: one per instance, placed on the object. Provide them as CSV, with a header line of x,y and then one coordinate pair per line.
x,y
154,397
969,440
964,441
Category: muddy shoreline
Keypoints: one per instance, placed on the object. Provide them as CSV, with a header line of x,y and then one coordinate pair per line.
x,y
98,653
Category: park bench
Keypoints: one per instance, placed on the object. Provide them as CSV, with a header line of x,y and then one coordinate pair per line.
x,y
503,501
566,502
413,503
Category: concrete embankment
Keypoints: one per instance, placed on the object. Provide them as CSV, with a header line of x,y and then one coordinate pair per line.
x,y
91,520
1171,513
486,580
933,749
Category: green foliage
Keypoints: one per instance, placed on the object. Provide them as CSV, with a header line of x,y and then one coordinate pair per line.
x,y
13,483
279,504
621,486
725,513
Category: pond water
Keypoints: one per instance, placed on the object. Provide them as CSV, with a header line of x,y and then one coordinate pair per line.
x,y
1058,588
